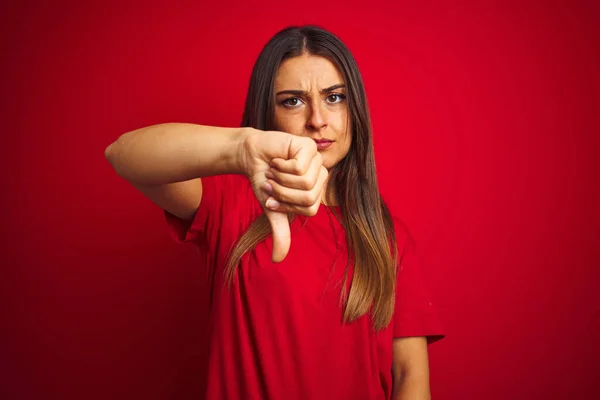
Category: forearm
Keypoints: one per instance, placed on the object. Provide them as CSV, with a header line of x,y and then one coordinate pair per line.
x,y
176,152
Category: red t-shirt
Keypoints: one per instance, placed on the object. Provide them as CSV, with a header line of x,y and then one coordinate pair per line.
x,y
277,333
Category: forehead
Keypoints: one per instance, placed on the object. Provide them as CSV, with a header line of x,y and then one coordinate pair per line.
x,y
306,72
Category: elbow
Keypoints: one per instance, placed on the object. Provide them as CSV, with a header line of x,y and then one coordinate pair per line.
x,y
108,152
111,155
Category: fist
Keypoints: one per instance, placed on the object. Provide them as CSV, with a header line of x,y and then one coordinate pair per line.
x,y
287,176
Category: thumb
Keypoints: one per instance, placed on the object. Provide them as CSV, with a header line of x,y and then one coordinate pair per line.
x,y
280,226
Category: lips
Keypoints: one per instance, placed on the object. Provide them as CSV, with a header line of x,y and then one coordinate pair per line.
x,y
323,144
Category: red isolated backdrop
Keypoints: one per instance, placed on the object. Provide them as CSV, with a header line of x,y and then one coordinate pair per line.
x,y
485,121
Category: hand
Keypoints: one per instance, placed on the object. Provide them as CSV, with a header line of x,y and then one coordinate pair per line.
x,y
287,176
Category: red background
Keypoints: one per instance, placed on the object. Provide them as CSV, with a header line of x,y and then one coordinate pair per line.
x,y
486,129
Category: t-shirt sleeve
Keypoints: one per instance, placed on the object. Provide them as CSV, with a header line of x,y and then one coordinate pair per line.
x,y
198,228
415,313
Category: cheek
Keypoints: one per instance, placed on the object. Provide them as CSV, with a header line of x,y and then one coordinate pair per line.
x,y
347,136
343,123
346,127
347,143
289,123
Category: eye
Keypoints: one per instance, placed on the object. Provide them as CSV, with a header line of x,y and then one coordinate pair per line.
x,y
335,98
291,102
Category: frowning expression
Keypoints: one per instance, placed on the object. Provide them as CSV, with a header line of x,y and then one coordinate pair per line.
x,y
310,100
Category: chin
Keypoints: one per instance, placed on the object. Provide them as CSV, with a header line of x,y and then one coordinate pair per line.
x,y
329,164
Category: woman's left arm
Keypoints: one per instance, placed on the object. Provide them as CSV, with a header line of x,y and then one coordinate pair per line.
x,y
410,369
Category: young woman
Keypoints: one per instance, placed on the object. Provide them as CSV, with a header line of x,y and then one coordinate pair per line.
x,y
315,288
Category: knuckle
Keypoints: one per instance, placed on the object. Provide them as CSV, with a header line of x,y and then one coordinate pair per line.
x,y
306,183
306,200
319,158
323,176
297,169
310,144
311,198
312,211
279,195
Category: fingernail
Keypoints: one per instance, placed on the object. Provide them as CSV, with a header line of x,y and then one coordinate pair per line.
x,y
269,175
267,187
272,204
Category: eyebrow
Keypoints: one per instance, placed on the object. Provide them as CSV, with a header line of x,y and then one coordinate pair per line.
x,y
303,92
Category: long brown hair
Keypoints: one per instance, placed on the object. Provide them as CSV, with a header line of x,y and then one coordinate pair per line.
x,y
369,228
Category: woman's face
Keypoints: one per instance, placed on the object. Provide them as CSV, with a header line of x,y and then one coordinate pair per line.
x,y
310,100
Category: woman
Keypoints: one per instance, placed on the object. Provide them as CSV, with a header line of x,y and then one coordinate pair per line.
x,y
315,288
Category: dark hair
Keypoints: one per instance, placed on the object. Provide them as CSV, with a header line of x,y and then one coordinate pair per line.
x,y
369,228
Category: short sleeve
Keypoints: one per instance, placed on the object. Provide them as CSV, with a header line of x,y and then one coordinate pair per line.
x,y
195,230
415,313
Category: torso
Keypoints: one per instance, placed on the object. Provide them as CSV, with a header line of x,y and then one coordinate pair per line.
x,y
277,333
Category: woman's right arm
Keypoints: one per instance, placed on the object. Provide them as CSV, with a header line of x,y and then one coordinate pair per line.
x,y
165,162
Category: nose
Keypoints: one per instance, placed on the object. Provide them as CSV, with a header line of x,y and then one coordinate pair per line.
x,y
317,118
